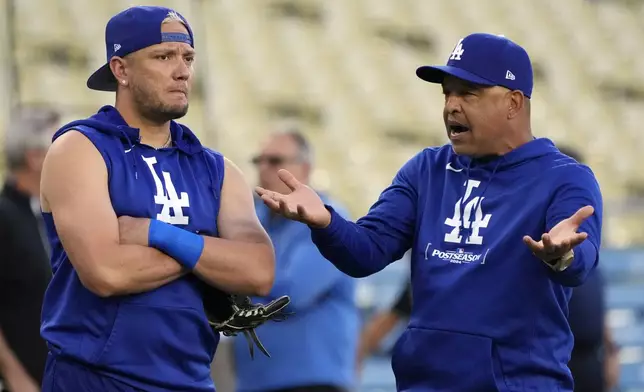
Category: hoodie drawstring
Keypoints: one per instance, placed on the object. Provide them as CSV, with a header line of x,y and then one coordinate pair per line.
x,y
213,189
132,155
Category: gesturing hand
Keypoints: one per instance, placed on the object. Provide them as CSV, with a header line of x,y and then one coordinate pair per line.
x,y
561,238
302,204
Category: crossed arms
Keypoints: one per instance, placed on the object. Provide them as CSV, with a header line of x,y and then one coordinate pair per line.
x,y
240,261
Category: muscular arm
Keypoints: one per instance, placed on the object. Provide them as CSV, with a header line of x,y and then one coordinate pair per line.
x,y
241,261
74,188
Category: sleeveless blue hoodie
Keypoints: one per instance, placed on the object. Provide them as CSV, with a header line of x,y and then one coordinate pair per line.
x,y
158,340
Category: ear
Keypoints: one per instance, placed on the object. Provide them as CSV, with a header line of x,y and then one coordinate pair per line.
x,y
118,66
516,101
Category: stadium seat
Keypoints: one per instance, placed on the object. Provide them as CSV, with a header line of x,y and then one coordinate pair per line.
x,y
630,336
625,296
632,377
624,273
623,266
377,376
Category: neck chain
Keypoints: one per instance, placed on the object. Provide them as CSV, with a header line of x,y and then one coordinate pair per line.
x,y
167,142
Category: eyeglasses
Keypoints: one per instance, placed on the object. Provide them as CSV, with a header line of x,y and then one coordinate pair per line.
x,y
272,160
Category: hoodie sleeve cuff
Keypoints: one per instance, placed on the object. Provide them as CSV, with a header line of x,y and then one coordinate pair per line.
x,y
585,260
334,225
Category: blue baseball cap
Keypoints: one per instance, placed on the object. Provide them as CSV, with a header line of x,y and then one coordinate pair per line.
x,y
134,29
485,59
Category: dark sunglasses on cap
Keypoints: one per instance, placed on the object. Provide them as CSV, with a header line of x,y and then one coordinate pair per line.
x,y
272,160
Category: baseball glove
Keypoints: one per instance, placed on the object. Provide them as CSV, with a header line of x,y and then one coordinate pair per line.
x,y
231,314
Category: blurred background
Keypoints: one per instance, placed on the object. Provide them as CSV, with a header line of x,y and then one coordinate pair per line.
x,y
344,70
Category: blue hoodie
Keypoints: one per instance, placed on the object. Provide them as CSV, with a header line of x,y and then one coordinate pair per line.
x,y
317,344
158,340
487,314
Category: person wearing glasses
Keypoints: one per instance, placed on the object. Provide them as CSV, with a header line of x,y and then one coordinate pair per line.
x,y
313,350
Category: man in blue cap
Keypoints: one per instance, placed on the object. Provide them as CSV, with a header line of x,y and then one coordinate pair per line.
x,y
501,226
139,216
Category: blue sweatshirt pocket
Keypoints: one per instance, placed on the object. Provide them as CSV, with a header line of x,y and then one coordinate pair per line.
x,y
177,360
435,360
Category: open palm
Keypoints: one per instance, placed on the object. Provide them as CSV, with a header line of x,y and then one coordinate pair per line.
x,y
302,204
561,238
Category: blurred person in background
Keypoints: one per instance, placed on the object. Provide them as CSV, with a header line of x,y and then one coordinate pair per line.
x,y
594,361
382,323
313,350
24,264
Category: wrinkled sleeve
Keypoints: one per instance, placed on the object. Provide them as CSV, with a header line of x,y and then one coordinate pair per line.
x,y
578,188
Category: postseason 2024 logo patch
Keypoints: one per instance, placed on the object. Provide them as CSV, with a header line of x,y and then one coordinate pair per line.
x,y
458,256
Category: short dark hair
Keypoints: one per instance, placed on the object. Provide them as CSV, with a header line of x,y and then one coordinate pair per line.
x,y
571,152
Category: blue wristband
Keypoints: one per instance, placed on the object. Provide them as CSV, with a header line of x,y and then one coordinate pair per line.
x,y
183,246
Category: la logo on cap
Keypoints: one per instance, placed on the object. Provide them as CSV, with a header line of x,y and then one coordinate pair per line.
x,y
458,51
172,15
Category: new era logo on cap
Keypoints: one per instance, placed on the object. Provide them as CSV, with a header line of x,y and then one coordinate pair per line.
x,y
485,59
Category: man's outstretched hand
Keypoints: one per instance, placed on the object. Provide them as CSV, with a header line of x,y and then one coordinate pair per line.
x,y
561,238
302,204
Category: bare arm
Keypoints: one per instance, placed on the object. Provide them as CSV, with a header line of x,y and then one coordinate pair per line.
x,y
78,197
373,333
241,261
8,359
12,371
383,323
611,361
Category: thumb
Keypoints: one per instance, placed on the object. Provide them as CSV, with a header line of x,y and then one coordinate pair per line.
x,y
303,214
581,215
289,179
311,220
